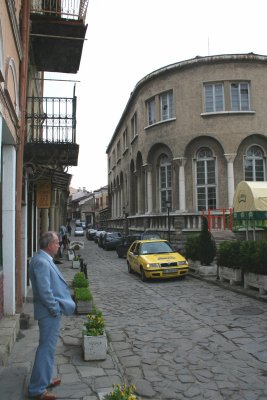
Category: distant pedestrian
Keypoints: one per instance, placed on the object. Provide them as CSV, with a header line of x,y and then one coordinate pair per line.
x,y
51,299
69,229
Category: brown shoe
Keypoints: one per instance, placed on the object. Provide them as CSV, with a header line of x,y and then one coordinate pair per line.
x,y
55,382
46,396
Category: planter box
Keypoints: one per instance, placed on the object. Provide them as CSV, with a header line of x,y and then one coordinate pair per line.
x,y
234,275
84,307
95,347
71,255
255,280
75,264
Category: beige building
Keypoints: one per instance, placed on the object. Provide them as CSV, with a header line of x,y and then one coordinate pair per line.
x,y
190,132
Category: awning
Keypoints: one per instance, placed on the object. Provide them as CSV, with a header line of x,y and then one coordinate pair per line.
x,y
250,200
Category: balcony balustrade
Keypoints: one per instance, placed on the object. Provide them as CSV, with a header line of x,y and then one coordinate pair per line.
x,y
51,131
57,34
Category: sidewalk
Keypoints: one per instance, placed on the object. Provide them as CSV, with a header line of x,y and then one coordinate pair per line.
x,y
81,380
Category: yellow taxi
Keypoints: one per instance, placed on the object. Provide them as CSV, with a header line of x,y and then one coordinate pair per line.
x,y
155,259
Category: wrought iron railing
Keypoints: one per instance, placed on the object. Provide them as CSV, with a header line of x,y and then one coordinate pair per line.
x,y
67,9
51,120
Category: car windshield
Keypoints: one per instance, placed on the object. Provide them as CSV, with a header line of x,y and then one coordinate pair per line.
x,y
155,248
79,228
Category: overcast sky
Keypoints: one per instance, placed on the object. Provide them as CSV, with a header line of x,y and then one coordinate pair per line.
x,y
126,40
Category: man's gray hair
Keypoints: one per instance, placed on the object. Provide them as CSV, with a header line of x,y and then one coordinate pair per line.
x,y
47,238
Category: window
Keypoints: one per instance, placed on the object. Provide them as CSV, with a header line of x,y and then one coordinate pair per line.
x,y
151,111
113,158
118,150
166,106
214,97
254,164
165,182
240,97
125,140
206,180
133,126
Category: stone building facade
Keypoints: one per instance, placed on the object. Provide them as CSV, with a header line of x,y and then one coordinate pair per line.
x,y
190,132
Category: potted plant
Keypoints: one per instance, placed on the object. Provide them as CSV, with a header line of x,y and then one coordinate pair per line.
x,y
254,264
228,262
83,299
94,337
79,280
121,392
76,262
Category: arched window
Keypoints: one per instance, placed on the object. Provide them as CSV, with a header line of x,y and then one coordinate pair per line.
x,y
254,164
205,179
165,182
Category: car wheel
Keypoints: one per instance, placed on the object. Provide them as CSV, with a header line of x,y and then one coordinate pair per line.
x,y
143,275
129,268
119,254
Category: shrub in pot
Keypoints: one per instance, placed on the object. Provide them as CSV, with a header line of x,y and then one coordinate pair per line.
x,y
94,337
192,247
121,392
229,254
83,299
207,246
79,280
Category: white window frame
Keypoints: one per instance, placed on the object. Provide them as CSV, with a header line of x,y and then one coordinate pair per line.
x,y
166,105
255,155
165,192
241,102
151,111
206,185
214,100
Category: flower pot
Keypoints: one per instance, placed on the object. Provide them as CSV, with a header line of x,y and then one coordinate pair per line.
x,y
234,275
75,264
84,307
95,347
71,255
258,281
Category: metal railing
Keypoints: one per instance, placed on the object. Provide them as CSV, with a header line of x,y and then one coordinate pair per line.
x,y
51,120
67,9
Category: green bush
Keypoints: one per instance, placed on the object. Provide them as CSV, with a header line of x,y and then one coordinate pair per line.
x,y
82,294
207,246
79,280
229,254
249,255
192,247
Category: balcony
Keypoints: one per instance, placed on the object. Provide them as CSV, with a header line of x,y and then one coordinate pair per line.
x,y
51,132
57,34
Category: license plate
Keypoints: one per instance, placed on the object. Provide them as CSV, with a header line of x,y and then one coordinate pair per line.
x,y
170,271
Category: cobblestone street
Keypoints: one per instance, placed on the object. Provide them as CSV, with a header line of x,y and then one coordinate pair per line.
x,y
180,339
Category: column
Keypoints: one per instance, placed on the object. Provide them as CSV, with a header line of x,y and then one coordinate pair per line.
x,y
230,178
148,172
180,162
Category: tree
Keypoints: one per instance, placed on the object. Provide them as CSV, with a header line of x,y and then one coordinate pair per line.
x,y
207,246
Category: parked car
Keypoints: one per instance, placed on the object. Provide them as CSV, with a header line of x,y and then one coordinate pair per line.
x,y
156,259
90,233
111,240
125,243
83,224
78,222
78,231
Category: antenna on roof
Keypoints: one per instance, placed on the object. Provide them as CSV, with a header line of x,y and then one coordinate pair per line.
x,y
208,46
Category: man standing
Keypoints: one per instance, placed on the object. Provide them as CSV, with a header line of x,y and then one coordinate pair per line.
x,y
51,298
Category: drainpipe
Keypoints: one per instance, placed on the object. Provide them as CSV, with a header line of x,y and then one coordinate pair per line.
x,y
25,13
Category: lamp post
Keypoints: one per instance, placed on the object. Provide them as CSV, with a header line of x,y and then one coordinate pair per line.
x,y
168,205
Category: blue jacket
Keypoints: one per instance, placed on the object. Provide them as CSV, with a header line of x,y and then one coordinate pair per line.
x,y
51,293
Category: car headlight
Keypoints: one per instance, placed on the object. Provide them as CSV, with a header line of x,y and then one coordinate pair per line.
x,y
153,265
182,262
